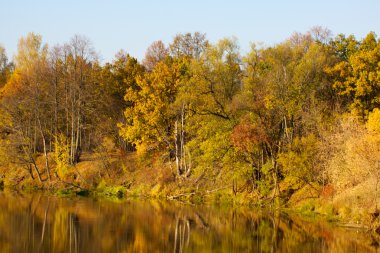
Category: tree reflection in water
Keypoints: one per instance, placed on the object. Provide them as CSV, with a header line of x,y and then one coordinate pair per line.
x,y
37,223
181,234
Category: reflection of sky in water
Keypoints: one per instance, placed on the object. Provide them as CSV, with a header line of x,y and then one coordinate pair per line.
x,y
36,223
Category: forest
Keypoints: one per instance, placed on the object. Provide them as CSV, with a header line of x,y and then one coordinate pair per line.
x,y
296,124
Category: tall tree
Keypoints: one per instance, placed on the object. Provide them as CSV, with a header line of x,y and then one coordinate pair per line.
x,y
79,59
24,100
115,79
150,121
207,95
188,45
355,74
155,53
284,96
6,68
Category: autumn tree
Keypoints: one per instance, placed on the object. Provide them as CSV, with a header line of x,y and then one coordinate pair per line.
x,y
50,93
188,45
214,81
150,121
6,67
79,60
284,96
23,99
115,79
155,53
355,73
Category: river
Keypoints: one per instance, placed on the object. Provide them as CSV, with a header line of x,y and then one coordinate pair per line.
x,y
40,223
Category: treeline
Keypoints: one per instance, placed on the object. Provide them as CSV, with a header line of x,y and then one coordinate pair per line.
x,y
265,122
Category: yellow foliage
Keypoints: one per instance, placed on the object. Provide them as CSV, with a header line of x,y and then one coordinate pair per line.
x,y
140,243
357,76
355,154
60,230
61,155
300,160
373,123
142,149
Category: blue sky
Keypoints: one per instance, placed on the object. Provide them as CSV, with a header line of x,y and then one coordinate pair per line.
x,y
112,25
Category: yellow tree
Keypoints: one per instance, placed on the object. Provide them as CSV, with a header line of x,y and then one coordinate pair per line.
x,y
115,78
23,100
150,121
356,77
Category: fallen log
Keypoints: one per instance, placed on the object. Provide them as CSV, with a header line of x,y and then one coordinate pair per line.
x,y
180,195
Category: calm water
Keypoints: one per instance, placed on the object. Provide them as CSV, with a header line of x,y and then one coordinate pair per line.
x,y
37,223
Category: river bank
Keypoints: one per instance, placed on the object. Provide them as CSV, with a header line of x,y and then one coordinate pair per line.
x,y
128,177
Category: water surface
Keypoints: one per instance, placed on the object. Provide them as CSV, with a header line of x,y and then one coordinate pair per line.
x,y
38,223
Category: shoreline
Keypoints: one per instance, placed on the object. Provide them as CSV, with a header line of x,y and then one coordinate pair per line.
x,y
117,195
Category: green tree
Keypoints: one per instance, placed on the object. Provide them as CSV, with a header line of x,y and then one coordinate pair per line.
x,y
6,68
208,94
285,95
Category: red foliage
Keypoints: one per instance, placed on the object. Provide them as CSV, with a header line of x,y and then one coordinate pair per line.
x,y
327,191
246,135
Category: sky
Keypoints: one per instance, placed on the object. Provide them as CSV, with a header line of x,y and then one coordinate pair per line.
x,y
112,25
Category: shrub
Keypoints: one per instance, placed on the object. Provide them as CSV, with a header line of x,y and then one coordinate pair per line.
x,y
61,155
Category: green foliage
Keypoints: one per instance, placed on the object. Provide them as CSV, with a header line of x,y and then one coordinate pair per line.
x,y
300,160
65,192
210,148
156,190
6,68
103,189
214,80
223,198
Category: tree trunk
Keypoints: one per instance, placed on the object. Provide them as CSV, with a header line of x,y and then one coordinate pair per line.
x,y
30,170
186,168
177,160
72,136
44,146
77,141
33,162
37,170
46,159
